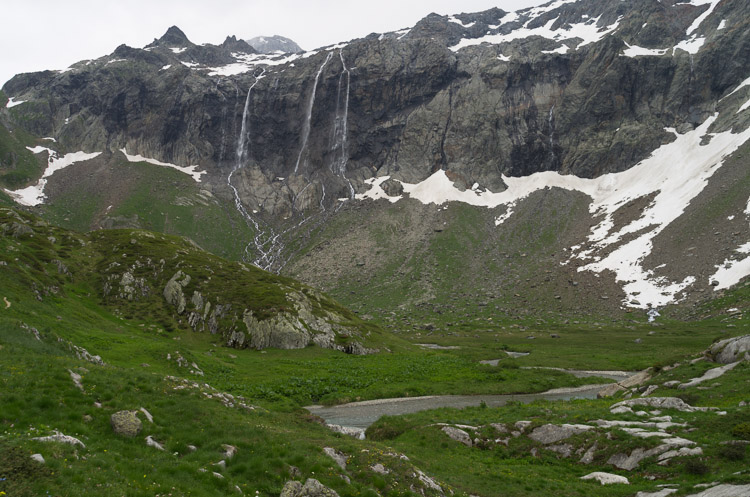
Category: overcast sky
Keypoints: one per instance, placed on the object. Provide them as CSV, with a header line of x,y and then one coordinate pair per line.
x,y
53,34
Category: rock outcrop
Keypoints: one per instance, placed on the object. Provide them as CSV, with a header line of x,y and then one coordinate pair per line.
x,y
311,488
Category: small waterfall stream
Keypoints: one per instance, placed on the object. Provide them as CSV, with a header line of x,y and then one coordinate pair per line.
x,y
308,117
340,127
265,239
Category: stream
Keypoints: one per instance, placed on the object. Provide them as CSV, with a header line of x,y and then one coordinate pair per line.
x,y
360,415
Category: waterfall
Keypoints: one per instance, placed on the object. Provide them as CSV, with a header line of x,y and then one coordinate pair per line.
x,y
265,259
551,124
310,104
340,130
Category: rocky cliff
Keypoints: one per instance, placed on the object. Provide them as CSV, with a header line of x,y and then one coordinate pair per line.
x,y
583,88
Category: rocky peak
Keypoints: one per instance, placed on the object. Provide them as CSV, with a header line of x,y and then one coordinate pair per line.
x,y
174,37
275,43
235,45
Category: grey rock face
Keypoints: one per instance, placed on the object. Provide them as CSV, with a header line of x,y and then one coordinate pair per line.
x,y
731,350
126,423
415,105
173,291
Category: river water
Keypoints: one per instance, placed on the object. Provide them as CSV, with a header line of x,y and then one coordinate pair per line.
x,y
363,414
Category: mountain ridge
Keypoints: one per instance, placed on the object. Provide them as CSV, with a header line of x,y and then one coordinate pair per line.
x,y
581,89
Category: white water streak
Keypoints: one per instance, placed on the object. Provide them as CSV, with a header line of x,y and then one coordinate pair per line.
x,y
308,118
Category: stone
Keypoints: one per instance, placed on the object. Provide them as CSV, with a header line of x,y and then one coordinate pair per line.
x,y
660,403
77,380
380,469
606,478
711,374
630,462
725,490
87,418
59,437
588,456
564,450
153,443
229,451
682,452
649,390
38,458
358,433
730,350
522,425
173,291
126,423
311,488
458,435
549,433
661,493
338,456
148,415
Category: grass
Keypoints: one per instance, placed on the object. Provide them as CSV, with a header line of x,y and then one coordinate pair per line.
x,y
38,396
18,166
157,199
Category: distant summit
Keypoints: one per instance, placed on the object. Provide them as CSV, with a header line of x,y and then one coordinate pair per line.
x,y
276,43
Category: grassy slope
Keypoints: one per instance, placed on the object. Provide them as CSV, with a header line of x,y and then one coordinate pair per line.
x,y
156,198
38,396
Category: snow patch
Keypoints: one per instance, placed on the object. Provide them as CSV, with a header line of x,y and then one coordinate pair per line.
x,y
189,64
587,31
34,194
731,272
376,191
691,46
504,58
699,20
674,174
191,171
722,24
636,51
458,21
178,50
166,67
111,61
12,103
248,62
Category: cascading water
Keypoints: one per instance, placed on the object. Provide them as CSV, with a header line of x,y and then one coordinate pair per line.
x,y
340,131
308,118
551,123
265,239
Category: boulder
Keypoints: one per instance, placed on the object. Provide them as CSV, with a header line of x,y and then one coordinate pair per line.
x,y
549,433
38,458
153,443
458,435
126,423
338,456
730,350
606,478
311,488
173,291
725,490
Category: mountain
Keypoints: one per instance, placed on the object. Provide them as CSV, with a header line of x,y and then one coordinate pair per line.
x,y
276,43
582,158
